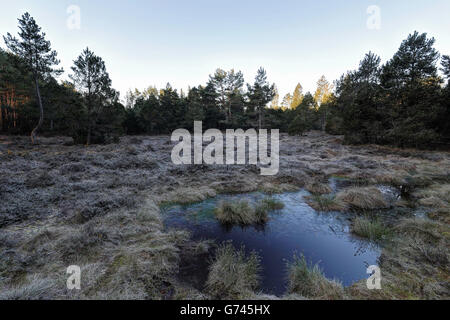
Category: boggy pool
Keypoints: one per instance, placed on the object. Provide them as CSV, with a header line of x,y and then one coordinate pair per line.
x,y
323,238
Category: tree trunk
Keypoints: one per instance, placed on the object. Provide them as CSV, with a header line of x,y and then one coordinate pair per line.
x,y
259,118
41,116
88,140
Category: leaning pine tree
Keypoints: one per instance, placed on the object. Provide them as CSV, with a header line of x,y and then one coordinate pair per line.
x,y
37,54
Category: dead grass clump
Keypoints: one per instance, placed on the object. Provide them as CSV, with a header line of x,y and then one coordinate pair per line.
x,y
34,289
309,281
273,188
233,275
442,215
429,231
368,198
73,167
40,180
415,265
131,150
272,204
436,196
235,185
102,204
189,195
82,243
372,229
270,188
241,213
325,203
316,187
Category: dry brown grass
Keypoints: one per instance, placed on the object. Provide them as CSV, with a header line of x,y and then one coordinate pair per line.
x,y
58,198
316,187
325,203
368,198
414,265
233,275
308,281
242,212
370,228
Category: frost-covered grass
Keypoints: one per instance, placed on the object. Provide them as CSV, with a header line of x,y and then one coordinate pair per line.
x,y
372,229
367,198
233,275
308,280
97,206
325,203
242,212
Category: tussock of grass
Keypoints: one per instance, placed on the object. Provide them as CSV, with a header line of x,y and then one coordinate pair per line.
x,y
240,212
272,204
420,248
429,231
34,289
233,275
362,198
316,187
324,203
189,195
374,230
273,188
436,196
442,215
309,281
243,213
270,188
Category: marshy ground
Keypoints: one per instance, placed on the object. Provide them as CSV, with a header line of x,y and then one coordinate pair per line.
x,y
99,207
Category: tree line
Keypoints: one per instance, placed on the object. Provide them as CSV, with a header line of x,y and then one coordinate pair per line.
x,y
404,102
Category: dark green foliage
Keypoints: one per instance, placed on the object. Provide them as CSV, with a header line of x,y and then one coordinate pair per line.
x,y
399,103
304,116
259,95
414,105
360,104
36,55
103,113
402,103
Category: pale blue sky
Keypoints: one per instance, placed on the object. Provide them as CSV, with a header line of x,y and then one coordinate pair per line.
x,y
182,42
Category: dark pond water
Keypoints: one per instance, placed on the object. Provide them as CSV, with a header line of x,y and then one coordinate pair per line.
x,y
322,238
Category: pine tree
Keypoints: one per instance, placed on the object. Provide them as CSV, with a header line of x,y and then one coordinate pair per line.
x,y
37,54
323,91
322,96
297,97
444,123
287,102
413,87
275,104
92,80
260,94
360,99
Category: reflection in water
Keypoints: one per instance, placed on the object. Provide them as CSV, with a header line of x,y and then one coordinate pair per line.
x,y
322,238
